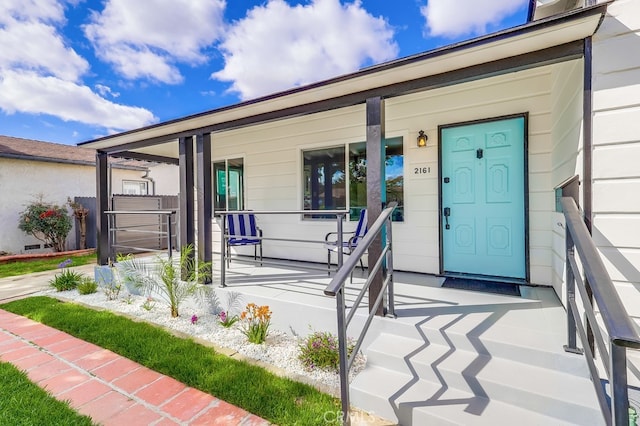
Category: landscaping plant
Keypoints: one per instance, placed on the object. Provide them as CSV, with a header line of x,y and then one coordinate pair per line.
x,y
172,281
255,322
320,350
66,280
47,222
227,317
87,286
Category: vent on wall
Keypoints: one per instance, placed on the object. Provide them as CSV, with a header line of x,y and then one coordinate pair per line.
x,y
32,247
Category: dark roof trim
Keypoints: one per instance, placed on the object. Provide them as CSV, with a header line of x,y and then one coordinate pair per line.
x,y
45,159
26,157
511,32
146,157
543,57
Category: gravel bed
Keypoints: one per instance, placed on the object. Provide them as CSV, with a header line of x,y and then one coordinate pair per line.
x,y
280,350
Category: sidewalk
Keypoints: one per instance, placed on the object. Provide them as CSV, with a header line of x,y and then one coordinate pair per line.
x,y
113,390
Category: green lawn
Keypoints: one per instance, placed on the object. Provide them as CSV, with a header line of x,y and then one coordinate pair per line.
x,y
23,403
11,269
279,400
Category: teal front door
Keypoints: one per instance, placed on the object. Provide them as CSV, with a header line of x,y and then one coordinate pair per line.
x,y
483,198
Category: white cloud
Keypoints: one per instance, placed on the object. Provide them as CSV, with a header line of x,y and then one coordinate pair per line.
x,y
41,74
454,18
32,93
29,40
106,90
277,46
25,10
145,39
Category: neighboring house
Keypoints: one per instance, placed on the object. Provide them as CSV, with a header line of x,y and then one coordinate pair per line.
x,y
510,118
29,168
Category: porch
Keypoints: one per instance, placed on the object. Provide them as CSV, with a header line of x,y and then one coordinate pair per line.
x,y
450,357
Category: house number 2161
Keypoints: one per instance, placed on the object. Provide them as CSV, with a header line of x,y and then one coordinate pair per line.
x,y
421,170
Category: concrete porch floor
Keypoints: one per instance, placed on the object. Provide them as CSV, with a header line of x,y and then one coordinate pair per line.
x,y
449,357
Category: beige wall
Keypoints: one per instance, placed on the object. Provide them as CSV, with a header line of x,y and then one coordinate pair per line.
x,y
272,155
21,181
616,154
567,152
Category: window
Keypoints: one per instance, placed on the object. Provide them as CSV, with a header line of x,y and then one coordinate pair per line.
x,y
394,177
134,187
325,178
228,181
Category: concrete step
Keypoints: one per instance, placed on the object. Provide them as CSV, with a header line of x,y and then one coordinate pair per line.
x,y
478,333
545,391
408,401
397,348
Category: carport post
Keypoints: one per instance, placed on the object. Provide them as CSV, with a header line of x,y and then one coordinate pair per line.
x,y
187,225
102,205
205,202
375,180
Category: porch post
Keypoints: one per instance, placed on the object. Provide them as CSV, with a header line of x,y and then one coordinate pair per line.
x,y
102,205
205,202
375,180
187,228
587,160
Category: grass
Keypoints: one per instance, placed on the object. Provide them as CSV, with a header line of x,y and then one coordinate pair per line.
x,y
279,400
11,269
24,403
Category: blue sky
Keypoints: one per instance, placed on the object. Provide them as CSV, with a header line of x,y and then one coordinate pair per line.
x,y
75,70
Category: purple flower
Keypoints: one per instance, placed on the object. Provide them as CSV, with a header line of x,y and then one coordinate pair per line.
x,y
65,264
223,316
194,319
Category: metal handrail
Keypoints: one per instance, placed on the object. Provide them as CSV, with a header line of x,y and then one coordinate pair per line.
x,y
621,331
339,214
111,215
336,289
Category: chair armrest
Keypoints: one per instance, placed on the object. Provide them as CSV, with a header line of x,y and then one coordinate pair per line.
x,y
259,231
326,237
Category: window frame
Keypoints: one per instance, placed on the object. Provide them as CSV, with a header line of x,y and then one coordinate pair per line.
x,y
138,183
214,179
346,145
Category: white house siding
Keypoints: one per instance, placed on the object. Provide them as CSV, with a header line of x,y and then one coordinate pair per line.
x,y
616,155
272,161
567,151
22,180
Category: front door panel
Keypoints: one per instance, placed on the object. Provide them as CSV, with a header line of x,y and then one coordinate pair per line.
x,y
483,198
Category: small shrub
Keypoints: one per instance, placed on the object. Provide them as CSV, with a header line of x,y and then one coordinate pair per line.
x,y
320,350
87,286
47,222
149,304
255,322
112,290
173,281
227,320
66,280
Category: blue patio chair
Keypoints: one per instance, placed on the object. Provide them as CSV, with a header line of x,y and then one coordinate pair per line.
x,y
349,244
242,231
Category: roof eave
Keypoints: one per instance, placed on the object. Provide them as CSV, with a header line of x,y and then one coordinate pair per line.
x,y
425,56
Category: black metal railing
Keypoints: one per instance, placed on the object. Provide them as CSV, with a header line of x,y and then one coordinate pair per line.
x,y
339,216
621,332
336,288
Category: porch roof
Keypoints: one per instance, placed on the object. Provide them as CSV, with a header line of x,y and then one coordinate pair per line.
x,y
541,42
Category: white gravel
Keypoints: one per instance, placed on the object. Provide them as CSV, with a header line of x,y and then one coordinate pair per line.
x,y
280,350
